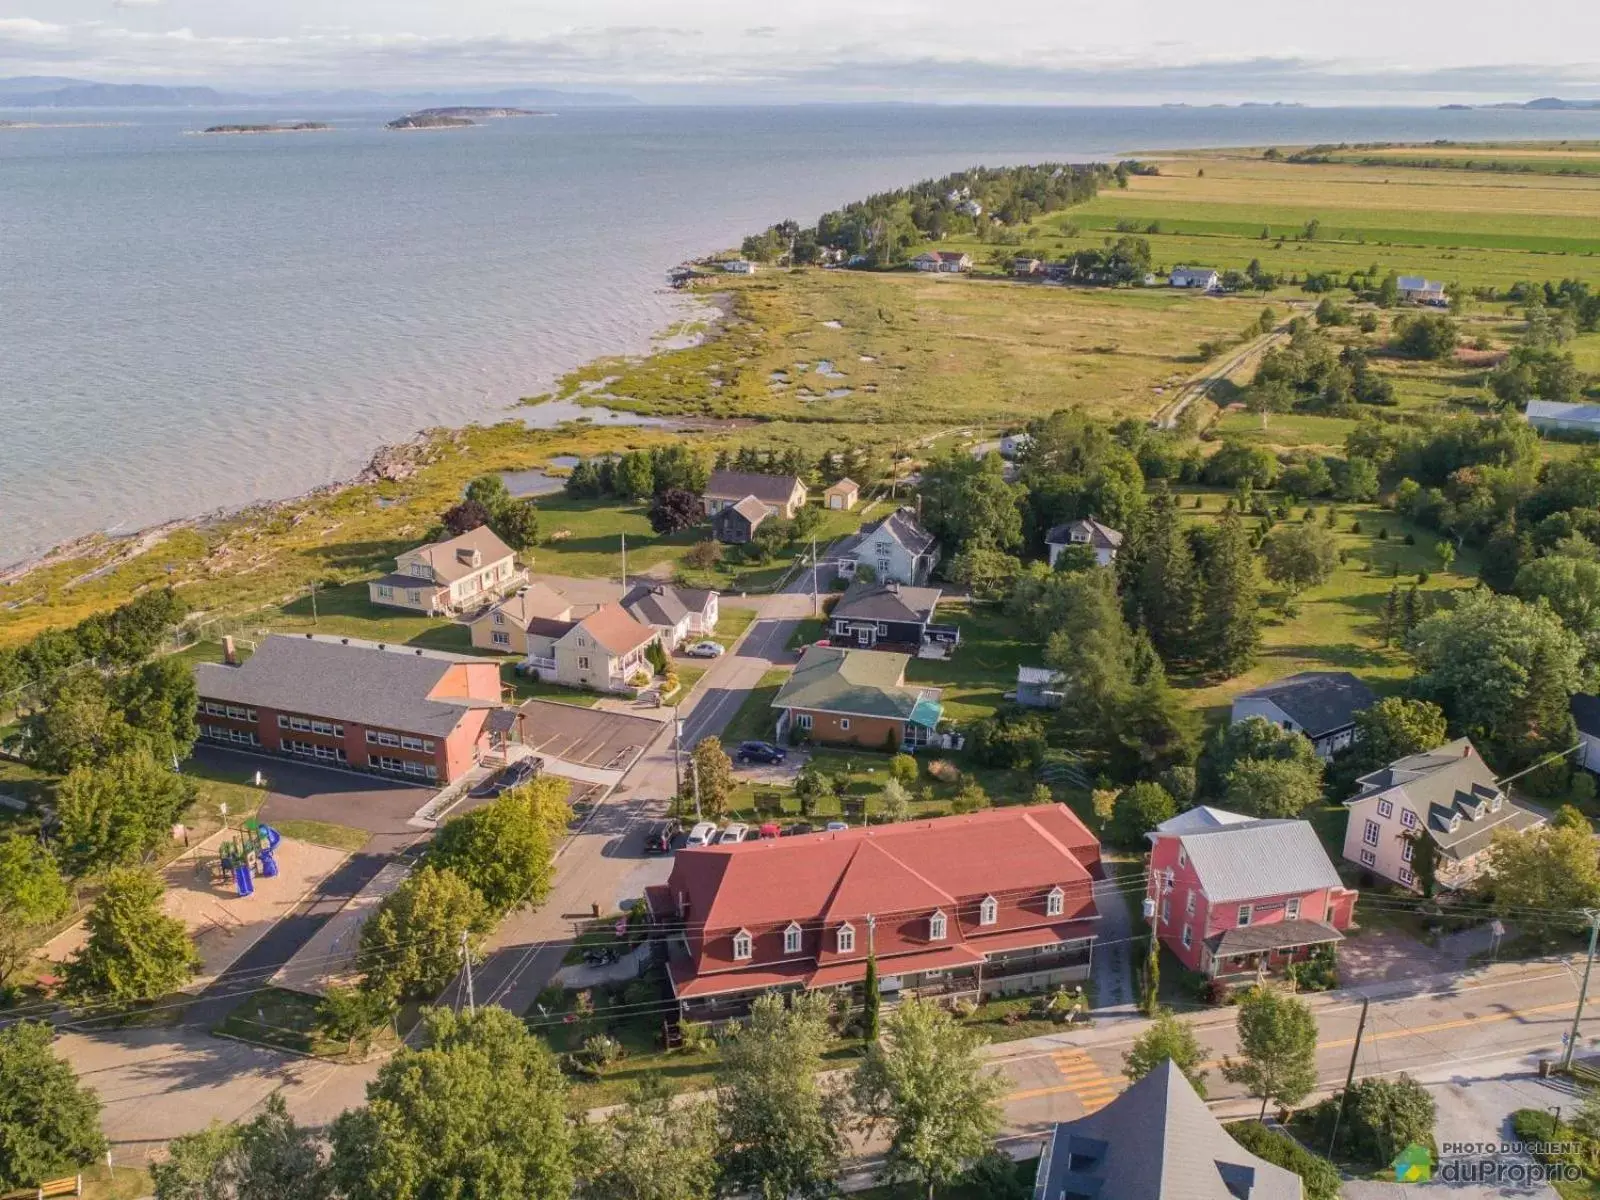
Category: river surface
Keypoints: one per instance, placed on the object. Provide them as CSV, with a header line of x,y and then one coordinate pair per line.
x,y
193,322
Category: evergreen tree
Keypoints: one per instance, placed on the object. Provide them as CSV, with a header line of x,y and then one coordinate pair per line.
x,y
1389,622
1165,587
49,1124
871,1002
134,951
1230,629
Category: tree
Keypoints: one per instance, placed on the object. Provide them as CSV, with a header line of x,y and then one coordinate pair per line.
x,y
119,813
1393,728
353,1015
635,475
411,945
78,724
904,769
1271,787
516,523
1277,1046
783,1129
928,1084
652,1149
1167,1037
134,951
1426,336
1138,810
770,537
1504,670
1380,1118
199,1166
987,573
871,1001
1249,739
1359,481
1229,632
159,700
49,1125
1319,1177
1549,870
1300,556
268,1158
894,802
1164,588
33,896
968,501
714,770
489,491
808,520
1571,586
480,1110
503,850
464,517
675,509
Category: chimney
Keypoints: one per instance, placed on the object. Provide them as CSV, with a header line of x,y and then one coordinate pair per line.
x,y
1466,750
230,653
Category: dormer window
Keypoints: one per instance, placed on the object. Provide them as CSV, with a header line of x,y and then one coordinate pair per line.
x,y
845,940
791,938
938,927
1455,822
1494,805
988,911
1055,903
741,945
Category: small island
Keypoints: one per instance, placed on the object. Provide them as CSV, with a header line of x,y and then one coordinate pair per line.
x,y
457,117
291,127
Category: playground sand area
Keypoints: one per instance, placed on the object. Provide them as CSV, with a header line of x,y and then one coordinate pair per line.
x,y
225,925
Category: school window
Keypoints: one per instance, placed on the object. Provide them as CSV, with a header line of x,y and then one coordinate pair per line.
x,y
741,945
1368,859
1291,910
1188,938
845,940
1385,809
1369,833
410,743
791,940
379,738
1055,903
988,911
1245,913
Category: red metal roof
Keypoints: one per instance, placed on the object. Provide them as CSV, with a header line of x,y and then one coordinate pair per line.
x,y
903,964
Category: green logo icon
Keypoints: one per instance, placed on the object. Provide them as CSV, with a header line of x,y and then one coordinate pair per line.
x,y
1415,1165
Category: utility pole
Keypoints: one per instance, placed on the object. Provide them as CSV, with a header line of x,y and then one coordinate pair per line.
x,y
313,604
466,960
872,934
816,602
677,751
624,563
1593,916
1350,1076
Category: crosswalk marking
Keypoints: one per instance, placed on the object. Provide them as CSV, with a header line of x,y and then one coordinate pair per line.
x,y
1084,1079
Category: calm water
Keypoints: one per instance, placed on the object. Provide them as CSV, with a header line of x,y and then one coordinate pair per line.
x,y
192,322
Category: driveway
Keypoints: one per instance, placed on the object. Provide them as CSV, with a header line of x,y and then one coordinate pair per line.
x,y
302,792
1388,955
588,737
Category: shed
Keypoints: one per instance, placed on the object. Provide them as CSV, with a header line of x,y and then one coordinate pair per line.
x,y
842,495
1040,687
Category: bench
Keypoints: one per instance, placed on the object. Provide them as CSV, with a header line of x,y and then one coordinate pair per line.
x,y
62,1187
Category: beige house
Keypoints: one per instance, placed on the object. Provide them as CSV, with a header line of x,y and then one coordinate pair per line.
x,y
781,495
600,652
505,627
447,577
1448,795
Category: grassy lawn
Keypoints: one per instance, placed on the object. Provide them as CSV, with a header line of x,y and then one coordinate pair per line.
x,y
808,630
325,833
755,719
732,621
526,687
983,668
346,611
287,1020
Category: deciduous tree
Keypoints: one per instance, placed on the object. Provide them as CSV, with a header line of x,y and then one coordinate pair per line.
x,y
49,1125
1138,810
1167,1037
715,772
652,1149
1277,1049
464,517
118,813
411,945
1300,556
516,523
675,509
1550,870
502,849
32,896
1272,787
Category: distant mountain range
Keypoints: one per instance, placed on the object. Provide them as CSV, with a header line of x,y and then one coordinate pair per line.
x,y
1549,103
49,91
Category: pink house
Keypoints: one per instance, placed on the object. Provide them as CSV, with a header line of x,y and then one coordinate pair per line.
x,y
1233,894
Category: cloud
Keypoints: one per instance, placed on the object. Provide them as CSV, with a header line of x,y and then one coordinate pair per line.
x,y
136,3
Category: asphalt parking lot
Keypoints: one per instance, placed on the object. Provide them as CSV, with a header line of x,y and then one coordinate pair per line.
x,y
302,792
591,738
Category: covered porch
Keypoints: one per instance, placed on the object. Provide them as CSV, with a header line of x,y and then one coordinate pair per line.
x,y
1237,954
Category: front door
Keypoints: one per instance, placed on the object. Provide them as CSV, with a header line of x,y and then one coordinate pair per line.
x,y
863,635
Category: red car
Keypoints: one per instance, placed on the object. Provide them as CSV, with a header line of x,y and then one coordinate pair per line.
x,y
769,830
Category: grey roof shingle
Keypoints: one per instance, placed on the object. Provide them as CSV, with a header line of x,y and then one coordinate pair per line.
x,y
1259,858
359,683
1271,935
1319,702
863,601
1156,1141
736,485
1100,536
664,603
901,525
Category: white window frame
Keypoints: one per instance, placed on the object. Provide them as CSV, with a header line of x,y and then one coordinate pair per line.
x,y
988,911
499,639
1407,849
1408,818
583,662
1247,913
1055,903
1385,809
1370,833
1188,903
1183,857
1291,909
743,945
791,938
1408,877
1166,910
1368,859
803,720
1188,938
844,723
938,926
844,940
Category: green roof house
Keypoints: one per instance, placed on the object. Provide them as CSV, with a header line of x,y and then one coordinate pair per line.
x,y
856,698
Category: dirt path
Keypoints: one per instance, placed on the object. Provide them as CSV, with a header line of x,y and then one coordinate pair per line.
x,y
1215,372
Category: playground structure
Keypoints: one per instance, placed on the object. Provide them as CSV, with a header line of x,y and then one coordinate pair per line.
x,y
253,853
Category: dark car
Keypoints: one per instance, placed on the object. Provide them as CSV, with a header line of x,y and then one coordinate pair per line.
x,y
517,774
662,837
796,829
759,752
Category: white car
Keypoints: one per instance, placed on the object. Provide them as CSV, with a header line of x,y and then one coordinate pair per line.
x,y
705,650
702,834
733,833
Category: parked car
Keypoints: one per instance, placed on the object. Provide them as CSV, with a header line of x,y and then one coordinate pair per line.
x,y
702,834
733,833
798,828
759,752
770,830
705,650
518,773
662,837
837,826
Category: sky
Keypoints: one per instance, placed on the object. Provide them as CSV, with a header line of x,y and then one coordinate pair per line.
x,y
950,51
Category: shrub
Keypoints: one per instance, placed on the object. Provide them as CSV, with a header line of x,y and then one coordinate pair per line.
x,y
1318,973
600,1051
904,768
1317,1174
1009,739
1382,1118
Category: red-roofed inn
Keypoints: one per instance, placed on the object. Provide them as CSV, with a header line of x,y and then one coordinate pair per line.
x,y
983,904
